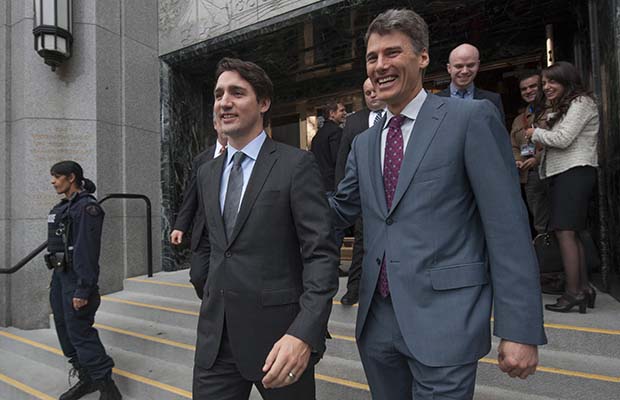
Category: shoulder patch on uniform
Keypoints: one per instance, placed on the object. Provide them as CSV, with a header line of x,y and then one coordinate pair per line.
x,y
93,210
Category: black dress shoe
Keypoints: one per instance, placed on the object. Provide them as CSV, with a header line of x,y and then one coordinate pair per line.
x,y
349,298
108,390
567,302
79,390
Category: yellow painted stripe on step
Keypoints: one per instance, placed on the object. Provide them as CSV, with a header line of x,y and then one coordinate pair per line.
x,y
146,337
560,371
25,388
189,286
342,337
151,382
163,283
117,371
583,329
31,343
342,382
339,303
145,305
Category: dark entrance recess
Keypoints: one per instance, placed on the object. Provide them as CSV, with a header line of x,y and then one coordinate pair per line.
x,y
285,129
317,53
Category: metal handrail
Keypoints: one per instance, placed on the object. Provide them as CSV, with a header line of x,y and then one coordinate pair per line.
x,y
149,235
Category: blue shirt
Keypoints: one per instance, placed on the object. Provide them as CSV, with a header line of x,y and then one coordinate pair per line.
x,y
251,151
469,91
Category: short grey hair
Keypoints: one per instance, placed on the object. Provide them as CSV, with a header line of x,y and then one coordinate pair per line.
x,y
402,20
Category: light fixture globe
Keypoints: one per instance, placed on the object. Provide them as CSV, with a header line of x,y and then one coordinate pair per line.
x,y
53,21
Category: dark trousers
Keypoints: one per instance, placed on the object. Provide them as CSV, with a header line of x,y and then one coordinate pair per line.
x,y
394,373
78,339
355,271
223,381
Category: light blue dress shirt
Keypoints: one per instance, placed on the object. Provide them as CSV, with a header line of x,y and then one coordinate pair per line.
x,y
469,92
251,151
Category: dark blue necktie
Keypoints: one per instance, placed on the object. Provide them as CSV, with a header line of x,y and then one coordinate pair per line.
x,y
233,193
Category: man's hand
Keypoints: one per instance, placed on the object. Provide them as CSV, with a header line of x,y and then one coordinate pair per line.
x,y
288,355
517,359
519,164
176,236
79,303
528,133
528,164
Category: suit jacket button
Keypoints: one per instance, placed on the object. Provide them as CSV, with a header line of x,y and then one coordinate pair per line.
x,y
378,261
228,254
389,221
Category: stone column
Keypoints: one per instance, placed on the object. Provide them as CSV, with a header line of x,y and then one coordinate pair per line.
x,y
100,109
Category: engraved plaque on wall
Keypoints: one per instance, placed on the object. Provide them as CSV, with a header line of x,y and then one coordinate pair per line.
x,y
186,22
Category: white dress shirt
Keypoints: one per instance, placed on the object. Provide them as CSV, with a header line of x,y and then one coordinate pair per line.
x,y
251,151
410,111
372,115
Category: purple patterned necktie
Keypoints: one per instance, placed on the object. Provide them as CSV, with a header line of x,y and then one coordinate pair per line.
x,y
391,168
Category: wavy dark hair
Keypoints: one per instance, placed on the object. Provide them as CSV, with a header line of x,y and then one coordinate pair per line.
x,y
566,75
256,77
68,167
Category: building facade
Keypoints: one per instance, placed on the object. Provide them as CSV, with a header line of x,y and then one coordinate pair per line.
x,y
134,103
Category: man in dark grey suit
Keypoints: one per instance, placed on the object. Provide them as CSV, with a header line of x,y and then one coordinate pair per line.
x,y
191,215
445,230
463,65
356,124
273,265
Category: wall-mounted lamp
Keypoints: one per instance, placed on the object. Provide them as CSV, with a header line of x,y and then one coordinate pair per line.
x,y
53,20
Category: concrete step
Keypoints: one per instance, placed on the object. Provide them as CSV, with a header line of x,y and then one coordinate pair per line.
x,y
136,375
159,309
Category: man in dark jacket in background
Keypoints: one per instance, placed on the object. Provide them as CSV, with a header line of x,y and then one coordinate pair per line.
x,y
326,142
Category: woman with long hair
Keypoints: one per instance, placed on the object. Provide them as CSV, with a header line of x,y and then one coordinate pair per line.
x,y
73,245
569,163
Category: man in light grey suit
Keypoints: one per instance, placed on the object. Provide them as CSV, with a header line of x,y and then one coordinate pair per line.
x,y
446,234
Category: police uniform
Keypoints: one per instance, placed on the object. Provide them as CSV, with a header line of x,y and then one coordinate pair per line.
x,y
74,242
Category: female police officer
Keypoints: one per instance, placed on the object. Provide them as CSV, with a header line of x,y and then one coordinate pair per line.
x,y
74,242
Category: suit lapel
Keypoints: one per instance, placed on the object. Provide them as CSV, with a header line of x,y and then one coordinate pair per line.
x,y
265,161
212,197
430,116
374,158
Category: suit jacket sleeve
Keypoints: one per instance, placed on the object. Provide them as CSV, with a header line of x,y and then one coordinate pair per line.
x,y
189,206
513,265
318,250
199,272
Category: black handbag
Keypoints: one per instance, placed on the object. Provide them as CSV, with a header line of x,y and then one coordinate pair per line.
x,y
550,258
548,253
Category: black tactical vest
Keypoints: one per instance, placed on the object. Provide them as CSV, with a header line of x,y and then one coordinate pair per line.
x,y
57,225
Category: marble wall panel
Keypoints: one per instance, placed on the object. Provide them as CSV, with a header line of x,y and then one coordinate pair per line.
x,y
21,10
142,171
140,21
141,86
3,11
103,13
5,288
108,78
4,62
186,22
38,92
184,135
113,249
29,286
4,172
35,146
110,177
135,236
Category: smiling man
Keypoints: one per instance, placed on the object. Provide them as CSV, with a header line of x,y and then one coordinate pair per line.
x,y
463,65
272,269
527,155
445,231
